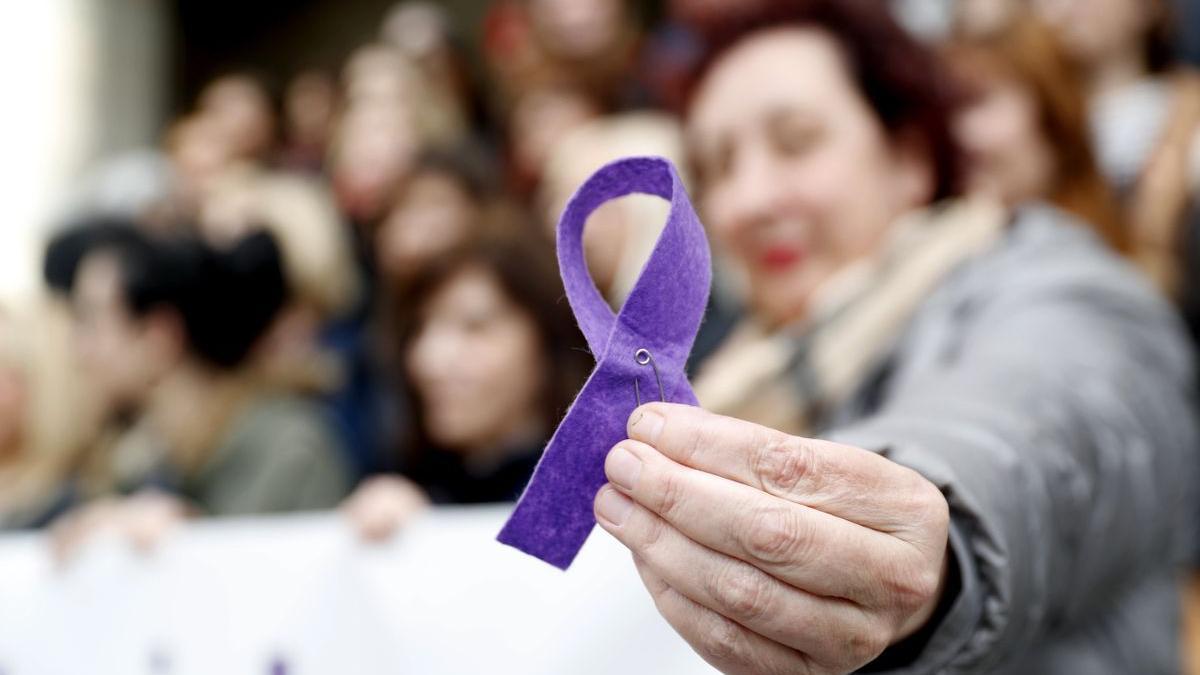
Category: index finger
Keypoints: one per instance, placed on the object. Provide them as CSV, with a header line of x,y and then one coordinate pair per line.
x,y
842,480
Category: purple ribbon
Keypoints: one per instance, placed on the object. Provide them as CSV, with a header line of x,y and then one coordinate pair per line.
x,y
640,353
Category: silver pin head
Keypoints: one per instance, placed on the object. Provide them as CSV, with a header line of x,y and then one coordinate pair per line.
x,y
643,357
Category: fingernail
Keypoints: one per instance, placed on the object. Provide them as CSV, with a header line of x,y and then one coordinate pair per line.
x,y
623,468
646,425
613,506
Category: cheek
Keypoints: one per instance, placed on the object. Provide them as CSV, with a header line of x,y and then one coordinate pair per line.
x,y
1013,124
507,366
979,130
718,218
847,201
421,361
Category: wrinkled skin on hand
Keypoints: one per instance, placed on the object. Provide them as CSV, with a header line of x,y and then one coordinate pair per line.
x,y
771,553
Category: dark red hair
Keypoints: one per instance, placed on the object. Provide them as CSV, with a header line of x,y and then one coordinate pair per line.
x,y
904,82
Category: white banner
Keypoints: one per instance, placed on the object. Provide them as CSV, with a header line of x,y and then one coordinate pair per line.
x,y
301,596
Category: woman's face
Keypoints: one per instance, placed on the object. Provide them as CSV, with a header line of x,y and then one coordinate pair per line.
x,y
1010,158
200,152
477,365
434,215
577,30
1091,30
242,111
376,148
541,119
309,106
799,178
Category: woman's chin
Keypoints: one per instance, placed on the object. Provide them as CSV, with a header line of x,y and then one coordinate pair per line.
x,y
786,305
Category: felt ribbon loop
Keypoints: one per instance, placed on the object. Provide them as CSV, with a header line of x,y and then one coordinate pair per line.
x,y
659,319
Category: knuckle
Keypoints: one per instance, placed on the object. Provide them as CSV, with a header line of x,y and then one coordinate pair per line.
x,y
743,593
700,435
653,535
930,512
863,646
782,462
774,536
670,494
924,498
719,640
912,589
660,593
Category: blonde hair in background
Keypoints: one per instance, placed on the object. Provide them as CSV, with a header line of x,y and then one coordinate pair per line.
x,y
62,417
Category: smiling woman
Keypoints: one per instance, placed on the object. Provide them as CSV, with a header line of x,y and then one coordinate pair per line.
x,y
490,359
493,359
802,181
1010,487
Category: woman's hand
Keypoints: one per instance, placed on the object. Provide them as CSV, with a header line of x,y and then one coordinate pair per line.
x,y
143,520
382,505
771,553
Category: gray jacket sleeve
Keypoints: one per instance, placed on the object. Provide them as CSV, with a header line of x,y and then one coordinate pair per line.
x,y
1059,424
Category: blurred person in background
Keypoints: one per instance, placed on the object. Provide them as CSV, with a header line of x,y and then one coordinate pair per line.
x,y
241,107
1145,117
439,207
593,44
1025,128
492,359
590,46
424,33
448,200
47,417
318,260
390,117
540,118
171,325
318,345
509,52
373,150
310,105
1008,481
198,152
380,74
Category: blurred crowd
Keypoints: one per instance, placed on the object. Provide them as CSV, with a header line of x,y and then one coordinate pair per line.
x,y
345,294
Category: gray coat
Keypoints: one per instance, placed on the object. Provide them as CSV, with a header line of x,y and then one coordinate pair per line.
x,y
1048,392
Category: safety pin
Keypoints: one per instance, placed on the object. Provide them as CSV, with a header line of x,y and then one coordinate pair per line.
x,y
643,357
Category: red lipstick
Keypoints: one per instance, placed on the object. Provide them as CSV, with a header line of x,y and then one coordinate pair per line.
x,y
779,258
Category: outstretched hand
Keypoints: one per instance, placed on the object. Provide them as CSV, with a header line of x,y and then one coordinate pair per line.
x,y
769,552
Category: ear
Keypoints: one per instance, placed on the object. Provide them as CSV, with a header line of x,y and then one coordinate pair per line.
x,y
165,337
913,164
